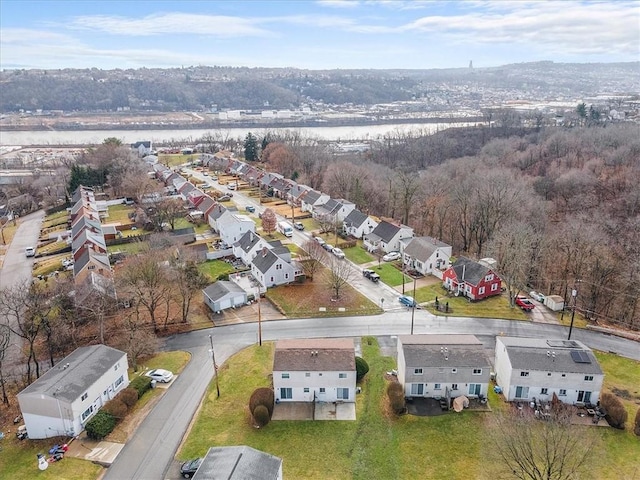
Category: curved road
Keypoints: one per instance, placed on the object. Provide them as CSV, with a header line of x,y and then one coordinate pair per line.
x,y
149,454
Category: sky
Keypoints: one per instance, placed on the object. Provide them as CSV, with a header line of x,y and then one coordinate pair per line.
x,y
323,34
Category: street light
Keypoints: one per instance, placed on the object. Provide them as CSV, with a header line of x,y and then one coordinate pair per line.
x,y
215,367
574,294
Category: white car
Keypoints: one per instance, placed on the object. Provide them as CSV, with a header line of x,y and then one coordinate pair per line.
x,y
231,186
536,296
391,256
337,252
160,375
320,240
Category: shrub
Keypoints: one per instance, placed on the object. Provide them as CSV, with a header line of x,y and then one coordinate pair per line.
x,y
262,396
636,428
129,396
616,413
261,415
117,408
362,368
395,392
141,385
101,425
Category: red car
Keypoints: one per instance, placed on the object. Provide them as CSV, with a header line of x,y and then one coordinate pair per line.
x,y
525,304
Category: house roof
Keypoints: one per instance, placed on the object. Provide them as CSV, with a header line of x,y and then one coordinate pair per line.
x,y
220,289
74,374
238,463
217,211
470,271
248,241
265,260
550,355
385,231
333,354
355,218
421,248
312,197
429,351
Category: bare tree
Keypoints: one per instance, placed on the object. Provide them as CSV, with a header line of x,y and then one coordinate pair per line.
x,y
338,275
312,261
167,210
532,449
187,280
407,186
137,340
5,337
269,221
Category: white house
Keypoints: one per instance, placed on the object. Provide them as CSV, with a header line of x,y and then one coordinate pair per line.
x,y
532,367
239,463
314,370
358,224
387,236
271,270
312,199
61,401
427,256
232,227
443,366
248,247
222,295
336,210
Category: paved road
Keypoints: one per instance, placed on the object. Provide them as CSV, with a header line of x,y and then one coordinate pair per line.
x,y
17,268
149,454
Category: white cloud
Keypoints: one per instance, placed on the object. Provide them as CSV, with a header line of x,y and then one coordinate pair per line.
x,y
338,3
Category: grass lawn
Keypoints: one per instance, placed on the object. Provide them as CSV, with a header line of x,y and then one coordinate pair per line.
x,y
358,255
47,265
58,218
305,300
390,275
130,248
119,213
174,160
215,268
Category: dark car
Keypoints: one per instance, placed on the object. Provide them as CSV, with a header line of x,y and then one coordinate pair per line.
x,y
298,226
250,208
188,468
371,275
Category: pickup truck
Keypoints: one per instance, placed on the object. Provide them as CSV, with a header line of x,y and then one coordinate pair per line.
x,y
371,275
525,304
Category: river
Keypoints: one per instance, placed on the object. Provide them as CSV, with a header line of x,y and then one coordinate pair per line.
x,y
87,137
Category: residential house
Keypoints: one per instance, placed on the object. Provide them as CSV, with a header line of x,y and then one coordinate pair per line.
x,y
271,270
312,199
239,463
143,148
443,366
358,224
471,279
427,256
334,210
233,226
215,214
528,368
61,401
222,295
296,194
387,237
248,247
314,370
185,188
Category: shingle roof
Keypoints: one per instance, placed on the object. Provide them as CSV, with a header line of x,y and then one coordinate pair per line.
x,y
86,366
427,351
264,261
469,271
355,218
312,196
386,231
248,241
220,289
238,463
332,355
422,248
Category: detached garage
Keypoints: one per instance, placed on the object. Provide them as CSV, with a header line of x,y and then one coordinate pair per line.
x,y
223,294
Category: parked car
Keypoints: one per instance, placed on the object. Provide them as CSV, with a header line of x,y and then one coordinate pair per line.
x,y
320,240
391,256
407,301
231,186
337,252
224,198
328,247
160,375
206,174
250,208
371,275
188,468
30,251
536,296
525,304
298,226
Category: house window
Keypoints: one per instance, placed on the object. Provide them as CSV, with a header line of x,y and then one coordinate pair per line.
x,y
544,391
115,367
437,386
272,279
488,278
285,375
307,374
322,390
564,374
494,287
306,389
417,371
548,374
588,378
286,275
417,389
342,375
343,394
481,290
87,413
524,374
563,392
522,392
454,386
477,371
454,370
119,381
286,393
84,396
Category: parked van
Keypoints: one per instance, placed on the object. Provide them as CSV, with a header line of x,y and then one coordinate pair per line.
x,y
285,228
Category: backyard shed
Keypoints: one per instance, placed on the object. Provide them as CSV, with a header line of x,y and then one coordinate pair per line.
x,y
554,302
222,295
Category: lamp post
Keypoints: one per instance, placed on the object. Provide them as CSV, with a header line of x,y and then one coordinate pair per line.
x,y
215,367
574,294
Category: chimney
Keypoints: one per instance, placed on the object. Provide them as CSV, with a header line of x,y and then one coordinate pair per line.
x,y
264,251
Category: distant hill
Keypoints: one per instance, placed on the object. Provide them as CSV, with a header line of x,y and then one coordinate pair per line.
x,y
199,88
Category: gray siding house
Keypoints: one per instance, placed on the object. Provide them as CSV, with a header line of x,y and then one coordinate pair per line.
x,y
222,295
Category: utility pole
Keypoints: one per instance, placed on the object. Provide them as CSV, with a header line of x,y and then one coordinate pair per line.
x,y
574,294
259,320
413,309
215,366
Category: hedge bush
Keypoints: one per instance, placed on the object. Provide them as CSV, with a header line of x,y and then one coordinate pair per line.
x,y
262,396
101,425
395,392
362,368
117,408
141,385
129,396
636,428
616,413
261,415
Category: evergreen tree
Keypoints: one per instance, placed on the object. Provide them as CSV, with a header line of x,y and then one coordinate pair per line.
x,y
251,149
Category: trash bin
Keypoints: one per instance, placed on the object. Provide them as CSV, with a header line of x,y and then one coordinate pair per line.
x,y
153,383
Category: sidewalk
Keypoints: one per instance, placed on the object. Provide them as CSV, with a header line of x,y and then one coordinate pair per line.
x,y
103,453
